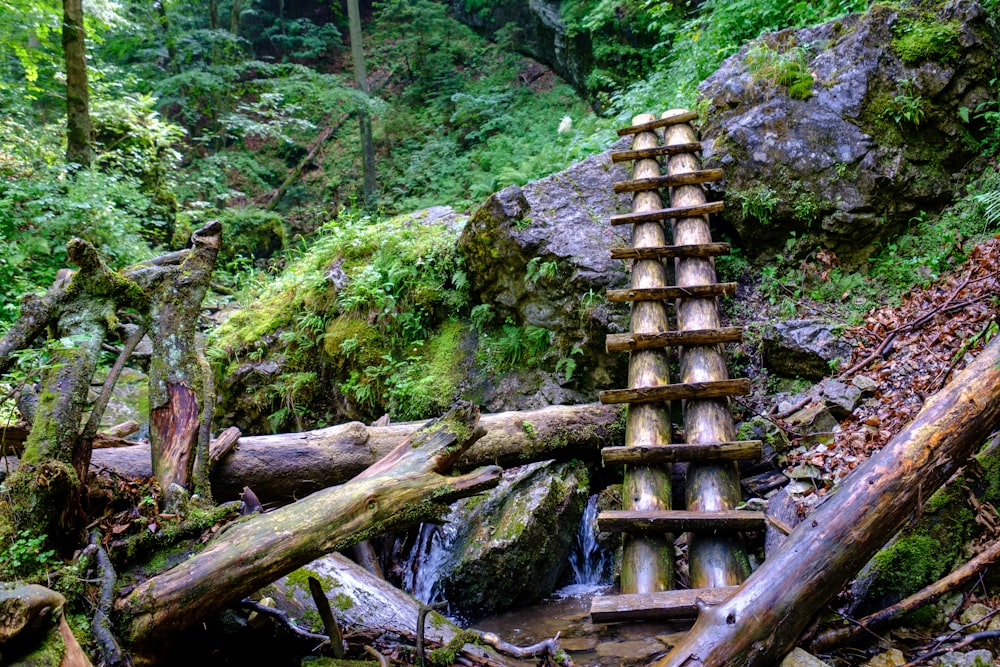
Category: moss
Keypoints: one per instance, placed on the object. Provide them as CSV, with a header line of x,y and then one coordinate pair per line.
x,y
446,655
342,602
921,37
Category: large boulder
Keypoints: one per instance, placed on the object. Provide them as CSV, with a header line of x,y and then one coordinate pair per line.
x,y
841,133
539,255
511,545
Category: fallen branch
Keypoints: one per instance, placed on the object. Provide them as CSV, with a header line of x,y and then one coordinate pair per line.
x,y
546,647
765,617
831,639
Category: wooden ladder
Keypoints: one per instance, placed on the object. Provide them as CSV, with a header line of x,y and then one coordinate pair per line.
x,y
715,559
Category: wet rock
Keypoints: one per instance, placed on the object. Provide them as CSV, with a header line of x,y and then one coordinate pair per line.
x,y
816,420
803,348
513,543
977,612
967,659
874,137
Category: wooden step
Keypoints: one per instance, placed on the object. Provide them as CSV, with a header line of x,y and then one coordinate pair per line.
x,y
667,213
655,151
665,605
649,341
658,123
737,450
667,251
657,182
677,392
671,292
679,521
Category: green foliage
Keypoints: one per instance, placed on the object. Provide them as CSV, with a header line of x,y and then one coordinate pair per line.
x,y
301,39
757,203
917,38
513,347
789,68
906,107
26,555
536,270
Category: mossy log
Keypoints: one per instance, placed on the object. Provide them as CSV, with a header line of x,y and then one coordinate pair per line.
x,y
285,466
767,614
406,486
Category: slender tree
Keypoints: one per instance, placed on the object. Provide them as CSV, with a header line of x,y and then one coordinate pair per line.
x,y
79,145
367,145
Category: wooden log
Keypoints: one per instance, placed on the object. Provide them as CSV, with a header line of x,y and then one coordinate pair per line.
x,y
676,392
704,291
654,152
713,559
668,181
665,605
641,341
285,466
647,560
404,487
669,118
667,251
660,214
707,451
26,608
766,616
679,521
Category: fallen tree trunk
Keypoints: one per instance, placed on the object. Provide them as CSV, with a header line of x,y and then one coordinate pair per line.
x,y
285,466
405,487
765,617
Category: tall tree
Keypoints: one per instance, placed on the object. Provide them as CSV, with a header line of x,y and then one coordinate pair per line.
x,y
367,145
79,144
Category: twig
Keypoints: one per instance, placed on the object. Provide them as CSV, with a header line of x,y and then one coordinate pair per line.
x,y
382,660
107,644
281,616
219,448
549,647
326,615
94,422
421,617
965,641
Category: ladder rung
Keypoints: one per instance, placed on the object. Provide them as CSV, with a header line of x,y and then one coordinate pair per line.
x,y
655,151
679,521
667,213
738,450
683,603
660,122
647,341
669,181
677,392
666,251
671,292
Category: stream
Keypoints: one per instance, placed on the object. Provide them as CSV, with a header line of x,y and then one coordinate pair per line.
x,y
566,611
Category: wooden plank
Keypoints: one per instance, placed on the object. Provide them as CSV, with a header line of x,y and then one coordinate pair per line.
x,y
656,151
677,392
669,181
646,341
673,292
674,119
737,450
679,521
663,605
668,251
657,215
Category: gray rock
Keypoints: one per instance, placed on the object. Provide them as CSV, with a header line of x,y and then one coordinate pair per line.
x,y
865,384
840,398
512,545
559,223
803,348
967,659
800,658
837,169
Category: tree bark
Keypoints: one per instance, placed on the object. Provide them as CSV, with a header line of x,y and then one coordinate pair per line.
x,y
406,486
282,467
767,614
79,143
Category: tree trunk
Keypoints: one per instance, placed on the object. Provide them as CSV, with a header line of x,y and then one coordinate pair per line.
x,y
408,485
767,614
282,467
234,18
79,143
361,76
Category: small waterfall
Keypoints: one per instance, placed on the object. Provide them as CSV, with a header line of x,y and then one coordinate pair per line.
x,y
423,568
591,563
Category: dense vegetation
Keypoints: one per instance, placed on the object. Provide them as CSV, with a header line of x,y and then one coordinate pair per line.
x,y
249,119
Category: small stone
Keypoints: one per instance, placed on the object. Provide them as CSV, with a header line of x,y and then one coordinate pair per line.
x,y
977,658
865,384
840,398
891,658
800,658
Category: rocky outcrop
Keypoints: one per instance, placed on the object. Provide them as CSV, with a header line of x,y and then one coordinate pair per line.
x,y
539,255
803,348
836,136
